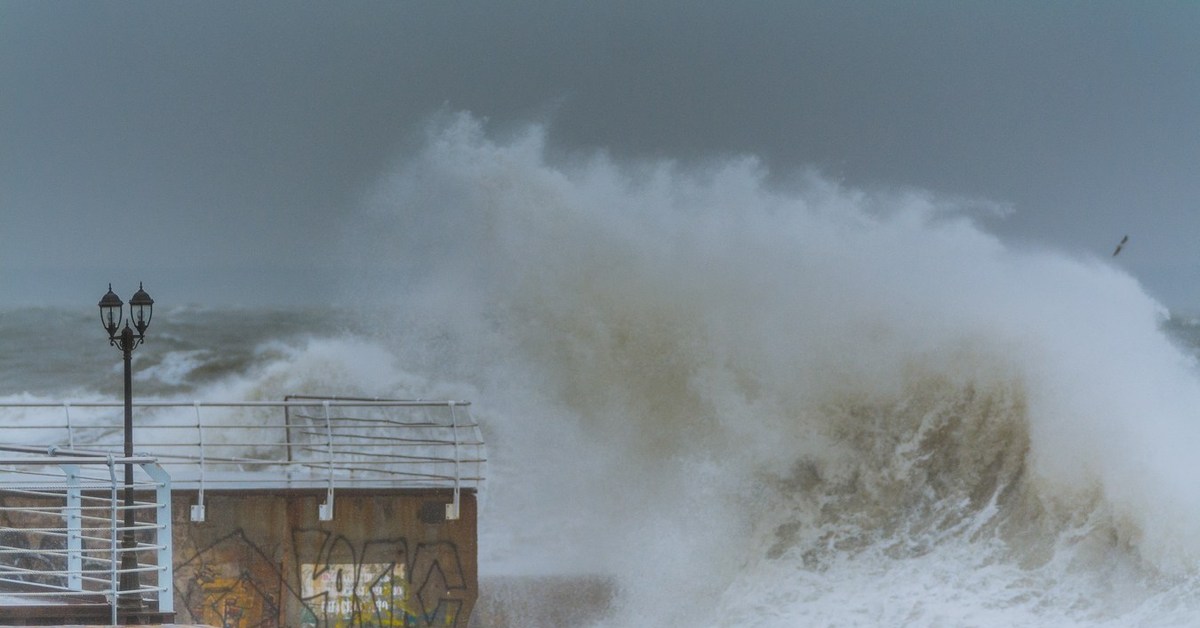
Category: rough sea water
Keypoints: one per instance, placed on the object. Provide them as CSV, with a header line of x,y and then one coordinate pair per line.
x,y
741,400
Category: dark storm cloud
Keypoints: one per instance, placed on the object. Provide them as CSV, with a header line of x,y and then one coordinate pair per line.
x,y
230,136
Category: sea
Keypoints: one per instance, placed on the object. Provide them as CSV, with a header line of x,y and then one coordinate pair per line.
x,y
733,397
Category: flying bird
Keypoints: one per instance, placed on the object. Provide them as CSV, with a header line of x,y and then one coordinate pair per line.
x,y
1120,244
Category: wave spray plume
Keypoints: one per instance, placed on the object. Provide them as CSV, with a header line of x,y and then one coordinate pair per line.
x,y
798,404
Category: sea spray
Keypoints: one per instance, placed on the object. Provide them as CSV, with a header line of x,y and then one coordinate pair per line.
x,y
799,404
740,399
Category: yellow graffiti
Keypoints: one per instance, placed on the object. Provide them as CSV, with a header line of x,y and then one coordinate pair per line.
x,y
231,603
362,596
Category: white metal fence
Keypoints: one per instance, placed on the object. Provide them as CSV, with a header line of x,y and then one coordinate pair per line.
x,y
301,442
61,524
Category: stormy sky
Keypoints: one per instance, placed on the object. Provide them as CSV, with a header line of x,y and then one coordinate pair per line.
x,y
214,149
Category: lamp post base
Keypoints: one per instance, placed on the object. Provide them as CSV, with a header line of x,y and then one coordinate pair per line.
x,y
129,585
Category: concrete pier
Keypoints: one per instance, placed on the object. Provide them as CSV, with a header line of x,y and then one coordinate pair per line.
x,y
387,558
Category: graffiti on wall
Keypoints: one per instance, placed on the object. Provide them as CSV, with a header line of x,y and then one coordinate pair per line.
x,y
421,588
347,592
231,583
377,583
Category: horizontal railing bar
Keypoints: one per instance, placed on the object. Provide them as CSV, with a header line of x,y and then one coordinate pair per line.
x,y
60,511
381,422
411,482
55,589
91,485
234,404
101,551
75,460
342,440
87,574
167,458
59,590
311,465
313,448
48,490
62,531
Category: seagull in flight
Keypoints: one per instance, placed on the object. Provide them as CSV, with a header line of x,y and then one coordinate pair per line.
x,y
1120,245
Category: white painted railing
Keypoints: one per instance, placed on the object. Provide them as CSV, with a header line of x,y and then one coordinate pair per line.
x,y
61,524
302,442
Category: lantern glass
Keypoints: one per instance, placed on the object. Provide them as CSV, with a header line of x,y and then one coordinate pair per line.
x,y
111,312
141,309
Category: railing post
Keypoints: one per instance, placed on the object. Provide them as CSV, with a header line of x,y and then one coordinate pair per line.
x,y
112,538
164,556
70,430
325,512
452,510
198,508
73,515
287,426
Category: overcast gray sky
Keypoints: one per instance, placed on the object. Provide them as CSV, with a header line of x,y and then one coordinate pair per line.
x,y
212,148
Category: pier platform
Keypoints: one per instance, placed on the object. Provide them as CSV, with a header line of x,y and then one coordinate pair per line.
x,y
313,511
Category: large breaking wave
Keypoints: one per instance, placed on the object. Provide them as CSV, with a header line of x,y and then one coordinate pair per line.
x,y
765,403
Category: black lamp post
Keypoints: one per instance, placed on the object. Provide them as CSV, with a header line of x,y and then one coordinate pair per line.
x,y
141,308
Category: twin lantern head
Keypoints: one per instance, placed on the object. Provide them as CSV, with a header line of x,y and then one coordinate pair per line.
x,y
141,308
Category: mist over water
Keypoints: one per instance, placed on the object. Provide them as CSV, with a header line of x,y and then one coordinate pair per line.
x,y
755,403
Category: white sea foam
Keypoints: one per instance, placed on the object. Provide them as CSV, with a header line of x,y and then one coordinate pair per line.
x,y
174,368
792,405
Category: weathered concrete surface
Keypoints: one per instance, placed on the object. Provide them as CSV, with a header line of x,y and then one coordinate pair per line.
x,y
264,559
542,601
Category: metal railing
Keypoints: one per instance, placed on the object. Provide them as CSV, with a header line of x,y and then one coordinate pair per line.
x,y
302,442
61,515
